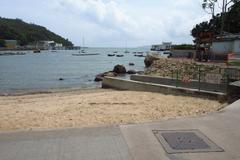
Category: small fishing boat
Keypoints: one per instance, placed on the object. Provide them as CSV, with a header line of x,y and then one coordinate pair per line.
x,y
37,51
119,55
139,54
126,51
131,64
115,52
111,55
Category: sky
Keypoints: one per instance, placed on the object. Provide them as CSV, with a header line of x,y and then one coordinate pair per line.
x,y
111,23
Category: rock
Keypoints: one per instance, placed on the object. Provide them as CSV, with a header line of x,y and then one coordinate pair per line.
x,y
119,69
150,59
110,74
60,79
140,72
131,64
131,72
100,76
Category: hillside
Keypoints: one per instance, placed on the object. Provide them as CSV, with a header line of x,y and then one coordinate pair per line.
x,y
27,33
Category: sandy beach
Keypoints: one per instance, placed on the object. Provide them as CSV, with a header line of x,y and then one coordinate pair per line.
x,y
96,107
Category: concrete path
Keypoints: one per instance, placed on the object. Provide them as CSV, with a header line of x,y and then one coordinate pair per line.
x,y
104,143
222,128
125,142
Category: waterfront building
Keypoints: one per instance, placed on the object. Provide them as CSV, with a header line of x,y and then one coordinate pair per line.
x,y
11,44
162,47
227,46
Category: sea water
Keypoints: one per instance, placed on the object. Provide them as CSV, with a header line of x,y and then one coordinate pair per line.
x,y
40,72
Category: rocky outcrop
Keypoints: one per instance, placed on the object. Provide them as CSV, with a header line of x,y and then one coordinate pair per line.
x,y
168,67
100,76
150,58
119,69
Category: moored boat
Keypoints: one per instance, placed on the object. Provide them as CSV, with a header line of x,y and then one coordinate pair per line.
x,y
139,54
37,51
111,55
119,55
131,64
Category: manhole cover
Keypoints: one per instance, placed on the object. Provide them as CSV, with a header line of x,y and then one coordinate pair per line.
x,y
185,141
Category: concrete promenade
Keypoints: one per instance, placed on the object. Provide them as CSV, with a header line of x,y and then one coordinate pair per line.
x,y
126,142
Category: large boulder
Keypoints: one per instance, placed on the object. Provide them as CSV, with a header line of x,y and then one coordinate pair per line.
x,y
100,76
150,58
119,69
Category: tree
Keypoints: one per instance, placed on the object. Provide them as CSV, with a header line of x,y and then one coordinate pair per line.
x,y
228,22
2,43
209,5
232,20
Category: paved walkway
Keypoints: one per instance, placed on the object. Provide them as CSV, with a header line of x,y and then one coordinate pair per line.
x,y
103,143
125,142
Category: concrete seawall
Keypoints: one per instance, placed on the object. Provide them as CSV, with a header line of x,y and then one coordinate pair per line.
x,y
122,84
193,84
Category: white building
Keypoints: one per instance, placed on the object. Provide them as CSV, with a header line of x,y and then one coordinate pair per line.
x,y
226,45
48,45
162,47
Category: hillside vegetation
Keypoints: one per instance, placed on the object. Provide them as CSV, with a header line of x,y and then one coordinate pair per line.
x,y
27,33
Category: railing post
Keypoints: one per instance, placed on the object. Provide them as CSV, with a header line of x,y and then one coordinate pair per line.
x,y
199,78
227,83
177,79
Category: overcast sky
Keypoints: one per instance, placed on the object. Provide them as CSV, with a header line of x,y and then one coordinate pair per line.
x,y
111,23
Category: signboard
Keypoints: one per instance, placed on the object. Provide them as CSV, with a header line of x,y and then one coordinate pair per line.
x,y
213,78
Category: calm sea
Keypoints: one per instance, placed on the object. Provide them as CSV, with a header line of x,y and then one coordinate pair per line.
x,y
41,72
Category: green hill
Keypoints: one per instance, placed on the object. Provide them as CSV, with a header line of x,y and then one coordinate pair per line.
x,y
27,33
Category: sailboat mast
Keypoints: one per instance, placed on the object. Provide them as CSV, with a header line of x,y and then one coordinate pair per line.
x,y
83,42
